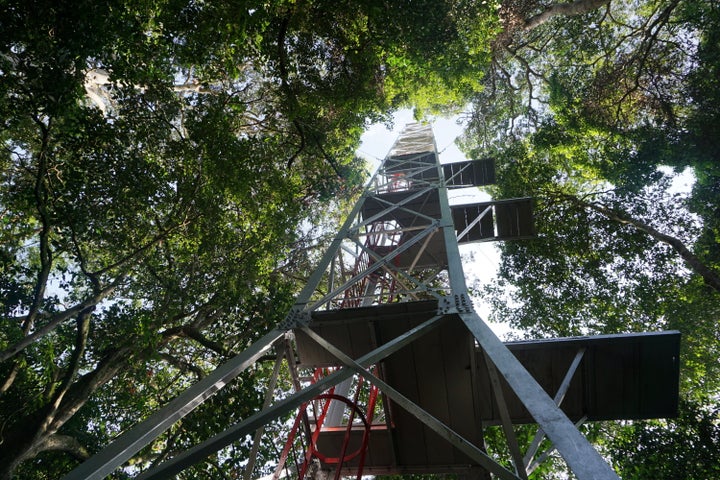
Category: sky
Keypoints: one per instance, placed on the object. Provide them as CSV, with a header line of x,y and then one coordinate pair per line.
x,y
480,260
377,139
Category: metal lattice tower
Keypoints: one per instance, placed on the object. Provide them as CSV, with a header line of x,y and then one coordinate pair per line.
x,y
389,307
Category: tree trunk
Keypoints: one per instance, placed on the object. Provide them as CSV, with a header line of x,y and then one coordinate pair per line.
x,y
35,434
38,432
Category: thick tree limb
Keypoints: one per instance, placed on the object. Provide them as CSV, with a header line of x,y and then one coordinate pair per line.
x,y
27,440
57,319
710,276
58,442
189,331
83,328
10,378
578,7
67,444
30,438
41,204
81,390
183,365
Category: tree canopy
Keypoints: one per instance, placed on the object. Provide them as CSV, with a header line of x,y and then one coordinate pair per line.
x,y
593,115
163,162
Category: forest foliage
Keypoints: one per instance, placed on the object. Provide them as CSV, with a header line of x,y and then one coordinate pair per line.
x,y
162,163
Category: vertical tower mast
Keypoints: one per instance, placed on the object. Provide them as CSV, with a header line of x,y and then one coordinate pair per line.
x,y
407,204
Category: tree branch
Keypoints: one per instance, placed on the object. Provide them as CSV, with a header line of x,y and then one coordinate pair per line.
x,y
29,439
140,251
57,319
578,7
83,329
58,442
68,444
193,333
41,199
711,278
183,365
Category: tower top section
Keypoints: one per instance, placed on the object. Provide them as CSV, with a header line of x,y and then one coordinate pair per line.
x,y
415,138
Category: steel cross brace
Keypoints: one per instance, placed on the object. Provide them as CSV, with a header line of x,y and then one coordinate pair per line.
x,y
354,230
559,397
427,234
361,249
245,427
477,220
128,444
433,423
525,465
328,297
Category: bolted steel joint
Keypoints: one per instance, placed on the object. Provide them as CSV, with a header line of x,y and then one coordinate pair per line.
x,y
458,303
446,306
297,317
463,303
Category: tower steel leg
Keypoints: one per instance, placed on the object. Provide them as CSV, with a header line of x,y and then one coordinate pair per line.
x,y
585,462
128,444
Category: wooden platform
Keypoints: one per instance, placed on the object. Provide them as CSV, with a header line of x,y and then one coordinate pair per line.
x,y
628,376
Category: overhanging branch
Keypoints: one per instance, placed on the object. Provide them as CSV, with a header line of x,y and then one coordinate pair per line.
x,y
710,276
578,7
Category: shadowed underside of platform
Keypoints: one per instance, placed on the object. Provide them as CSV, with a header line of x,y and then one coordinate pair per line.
x,y
628,376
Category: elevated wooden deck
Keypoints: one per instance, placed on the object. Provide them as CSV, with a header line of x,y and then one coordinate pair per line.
x,y
629,376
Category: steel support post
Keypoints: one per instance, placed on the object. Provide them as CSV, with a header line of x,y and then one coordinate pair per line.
x,y
128,444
